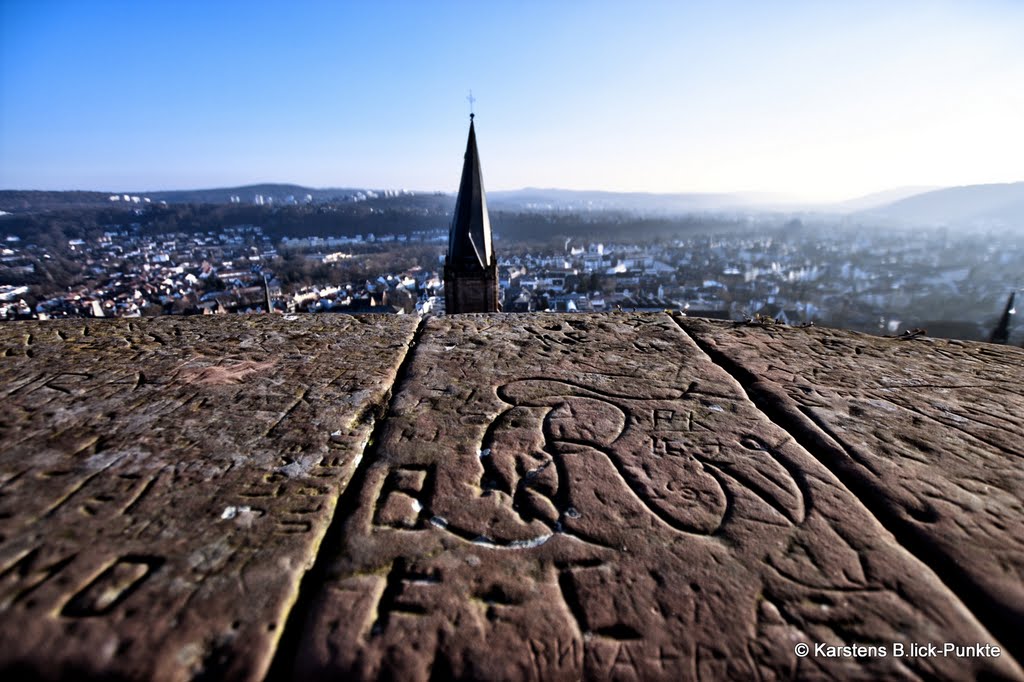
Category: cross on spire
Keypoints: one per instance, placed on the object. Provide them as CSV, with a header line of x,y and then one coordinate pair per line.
x,y
471,99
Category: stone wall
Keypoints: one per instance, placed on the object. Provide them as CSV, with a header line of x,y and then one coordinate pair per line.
x,y
468,293
497,496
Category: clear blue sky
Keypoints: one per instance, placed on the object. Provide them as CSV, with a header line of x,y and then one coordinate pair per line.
x,y
812,99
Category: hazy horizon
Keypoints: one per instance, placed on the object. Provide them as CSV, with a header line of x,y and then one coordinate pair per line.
x,y
810,101
773,196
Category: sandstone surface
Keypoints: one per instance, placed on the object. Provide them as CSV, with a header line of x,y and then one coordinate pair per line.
x,y
929,433
503,497
164,484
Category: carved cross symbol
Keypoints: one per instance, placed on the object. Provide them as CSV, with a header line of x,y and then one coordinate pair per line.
x,y
471,99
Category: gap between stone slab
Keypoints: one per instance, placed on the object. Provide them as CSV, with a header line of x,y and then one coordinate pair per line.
x,y
285,656
818,444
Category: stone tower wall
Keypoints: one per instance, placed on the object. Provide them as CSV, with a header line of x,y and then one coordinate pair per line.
x,y
470,293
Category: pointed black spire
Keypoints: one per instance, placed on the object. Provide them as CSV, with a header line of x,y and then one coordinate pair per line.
x,y
469,239
1001,334
471,269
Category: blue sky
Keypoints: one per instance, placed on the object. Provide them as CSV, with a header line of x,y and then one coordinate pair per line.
x,y
817,100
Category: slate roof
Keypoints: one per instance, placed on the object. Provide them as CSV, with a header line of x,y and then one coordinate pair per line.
x,y
469,239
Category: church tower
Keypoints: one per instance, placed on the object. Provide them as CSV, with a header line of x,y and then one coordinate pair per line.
x,y
471,269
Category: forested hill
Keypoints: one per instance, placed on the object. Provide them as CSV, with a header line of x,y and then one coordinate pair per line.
x,y
27,201
31,201
56,227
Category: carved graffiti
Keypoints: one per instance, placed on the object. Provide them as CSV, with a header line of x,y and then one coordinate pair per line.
x,y
549,461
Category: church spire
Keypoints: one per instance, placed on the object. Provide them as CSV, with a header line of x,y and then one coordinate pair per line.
x,y
1001,334
471,279
469,241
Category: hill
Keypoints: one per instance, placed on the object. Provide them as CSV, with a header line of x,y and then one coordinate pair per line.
x,y
997,205
648,203
276,194
879,199
28,201
985,205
